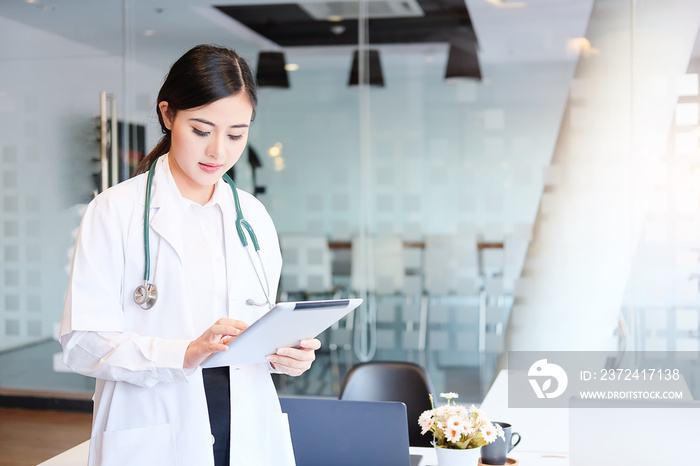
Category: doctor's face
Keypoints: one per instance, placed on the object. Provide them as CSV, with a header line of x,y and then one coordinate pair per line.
x,y
206,141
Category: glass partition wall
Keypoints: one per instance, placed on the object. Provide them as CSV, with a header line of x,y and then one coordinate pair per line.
x,y
524,200
55,78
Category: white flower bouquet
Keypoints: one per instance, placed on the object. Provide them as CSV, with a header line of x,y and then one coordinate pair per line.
x,y
457,427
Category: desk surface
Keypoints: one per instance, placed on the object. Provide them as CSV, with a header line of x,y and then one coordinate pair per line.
x,y
545,433
77,456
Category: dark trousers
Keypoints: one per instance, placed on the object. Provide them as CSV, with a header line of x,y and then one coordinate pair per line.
x,y
217,388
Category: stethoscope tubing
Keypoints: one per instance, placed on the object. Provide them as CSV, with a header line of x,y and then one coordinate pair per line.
x,y
146,294
147,224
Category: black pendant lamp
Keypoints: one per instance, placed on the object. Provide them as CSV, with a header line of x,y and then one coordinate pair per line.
x,y
372,71
271,71
462,60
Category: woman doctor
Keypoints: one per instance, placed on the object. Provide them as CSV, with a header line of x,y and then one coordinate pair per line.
x,y
153,404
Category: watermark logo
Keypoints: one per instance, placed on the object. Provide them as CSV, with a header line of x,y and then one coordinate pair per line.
x,y
543,370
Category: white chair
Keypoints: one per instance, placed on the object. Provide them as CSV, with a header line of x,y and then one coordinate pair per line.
x,y
451,265
451,281
377,273
515,251
306,265
307,275
377,265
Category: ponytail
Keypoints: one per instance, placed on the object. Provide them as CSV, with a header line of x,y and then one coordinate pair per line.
x,y
162,148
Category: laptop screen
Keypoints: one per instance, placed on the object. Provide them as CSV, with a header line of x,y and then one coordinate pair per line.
x,y
347,433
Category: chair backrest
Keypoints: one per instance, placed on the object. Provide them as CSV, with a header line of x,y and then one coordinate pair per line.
x,y
347,433
393,381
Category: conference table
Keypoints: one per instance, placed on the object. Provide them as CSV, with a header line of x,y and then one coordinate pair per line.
x,y
544,432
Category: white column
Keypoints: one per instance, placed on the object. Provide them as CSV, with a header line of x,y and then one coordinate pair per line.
x,y
617,119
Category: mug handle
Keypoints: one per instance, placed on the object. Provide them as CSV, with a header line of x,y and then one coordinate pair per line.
x,y
513,445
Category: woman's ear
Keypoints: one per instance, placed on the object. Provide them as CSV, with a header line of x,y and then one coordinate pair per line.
x,y
165,113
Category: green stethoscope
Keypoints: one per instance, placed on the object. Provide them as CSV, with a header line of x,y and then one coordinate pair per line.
x,y
146,295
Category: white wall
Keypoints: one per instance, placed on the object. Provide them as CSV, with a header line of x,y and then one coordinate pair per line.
x,y
446,158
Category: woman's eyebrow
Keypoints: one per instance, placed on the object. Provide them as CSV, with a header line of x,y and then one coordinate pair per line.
x,y
207,122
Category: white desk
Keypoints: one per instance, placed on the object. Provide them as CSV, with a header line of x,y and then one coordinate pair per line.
x,y
76,456
609,436
545,433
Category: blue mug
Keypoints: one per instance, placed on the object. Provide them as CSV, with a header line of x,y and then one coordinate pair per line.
x,y
497,451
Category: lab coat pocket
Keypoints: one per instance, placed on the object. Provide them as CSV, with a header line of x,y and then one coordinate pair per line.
x,y
278,429
152,445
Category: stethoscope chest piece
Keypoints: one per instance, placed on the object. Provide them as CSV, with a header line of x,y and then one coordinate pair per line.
x,y
146,295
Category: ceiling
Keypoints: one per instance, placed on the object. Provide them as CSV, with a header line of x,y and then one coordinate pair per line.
x,y
293,25
155,31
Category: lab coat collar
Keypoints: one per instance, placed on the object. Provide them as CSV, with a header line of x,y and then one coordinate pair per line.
x,y
166,218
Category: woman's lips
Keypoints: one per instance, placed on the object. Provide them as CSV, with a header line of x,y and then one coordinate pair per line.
x,y
210,167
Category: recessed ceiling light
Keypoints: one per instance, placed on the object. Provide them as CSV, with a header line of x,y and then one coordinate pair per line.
x,y
335,18
337,29
291,67
506,4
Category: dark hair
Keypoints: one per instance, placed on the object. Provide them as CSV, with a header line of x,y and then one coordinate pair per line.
x,y
205,74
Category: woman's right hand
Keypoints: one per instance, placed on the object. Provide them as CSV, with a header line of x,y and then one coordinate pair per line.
x,y
213,340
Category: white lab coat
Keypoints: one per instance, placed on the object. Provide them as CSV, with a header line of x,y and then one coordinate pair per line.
x,y
158,415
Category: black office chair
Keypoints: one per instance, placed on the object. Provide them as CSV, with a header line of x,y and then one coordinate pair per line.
x,y
393,381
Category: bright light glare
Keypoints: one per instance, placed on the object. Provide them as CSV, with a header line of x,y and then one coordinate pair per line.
x,y
687,114
686,143
580,45
687,84
275,150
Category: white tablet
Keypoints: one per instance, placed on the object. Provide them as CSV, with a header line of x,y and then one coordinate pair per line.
x,y
286,324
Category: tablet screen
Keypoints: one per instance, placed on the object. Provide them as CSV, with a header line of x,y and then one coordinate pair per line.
x,y
284,325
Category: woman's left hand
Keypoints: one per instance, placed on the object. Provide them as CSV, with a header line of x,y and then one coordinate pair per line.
x,y
295,361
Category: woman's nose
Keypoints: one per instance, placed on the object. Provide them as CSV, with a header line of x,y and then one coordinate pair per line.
x,y
215,148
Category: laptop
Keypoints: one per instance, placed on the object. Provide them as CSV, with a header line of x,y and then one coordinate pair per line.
x,y
348,433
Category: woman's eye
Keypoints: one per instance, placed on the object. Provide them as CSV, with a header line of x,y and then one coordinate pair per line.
x,y
199,133
235,137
